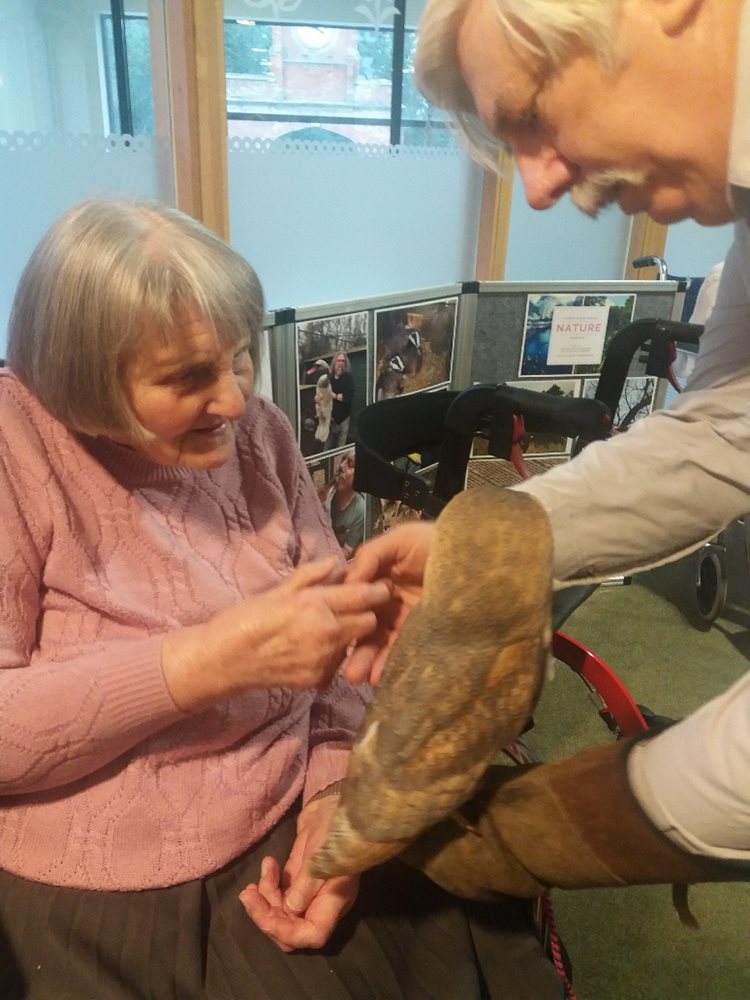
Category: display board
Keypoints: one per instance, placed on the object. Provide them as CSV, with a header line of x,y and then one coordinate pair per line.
x,y
552,338
329,361
503,347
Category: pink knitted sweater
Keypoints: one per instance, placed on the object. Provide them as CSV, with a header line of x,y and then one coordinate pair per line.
x,y
104,783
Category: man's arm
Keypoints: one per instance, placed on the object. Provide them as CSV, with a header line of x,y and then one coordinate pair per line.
x,y
693,780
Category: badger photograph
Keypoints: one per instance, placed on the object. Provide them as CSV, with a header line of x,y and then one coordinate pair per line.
x,y
413,347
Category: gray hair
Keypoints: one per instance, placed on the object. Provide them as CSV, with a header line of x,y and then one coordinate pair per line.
x,y
104,274
550,29
347,362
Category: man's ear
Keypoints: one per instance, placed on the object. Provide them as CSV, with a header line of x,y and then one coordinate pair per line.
x,y
673,16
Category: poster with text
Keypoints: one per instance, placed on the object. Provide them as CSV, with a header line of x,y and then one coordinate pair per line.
x,y
569,334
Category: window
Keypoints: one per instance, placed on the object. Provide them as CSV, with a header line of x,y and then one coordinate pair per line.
x,y
247,49
126,58
288,79
331,81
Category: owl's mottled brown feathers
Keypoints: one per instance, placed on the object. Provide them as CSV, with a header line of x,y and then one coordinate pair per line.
x,y
461,681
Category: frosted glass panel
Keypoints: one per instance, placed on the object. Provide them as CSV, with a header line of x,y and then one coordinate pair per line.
x,y
563,244
320,201
322,222
57,104
46,174
692,250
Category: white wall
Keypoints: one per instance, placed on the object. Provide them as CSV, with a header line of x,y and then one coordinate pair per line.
x,y
52,145
346,222
563,244
692,250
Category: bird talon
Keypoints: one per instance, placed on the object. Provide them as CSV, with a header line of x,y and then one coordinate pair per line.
x,y
464,823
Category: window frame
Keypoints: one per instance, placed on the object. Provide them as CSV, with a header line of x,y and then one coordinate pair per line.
x,y
395,122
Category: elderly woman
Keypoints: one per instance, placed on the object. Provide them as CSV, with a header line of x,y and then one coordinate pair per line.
x,y
172,620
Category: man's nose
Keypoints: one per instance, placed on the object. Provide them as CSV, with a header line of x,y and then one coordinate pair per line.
x,y
546,174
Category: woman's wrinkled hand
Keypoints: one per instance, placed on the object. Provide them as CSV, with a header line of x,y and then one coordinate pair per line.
x,y
399,557
295,635
290,906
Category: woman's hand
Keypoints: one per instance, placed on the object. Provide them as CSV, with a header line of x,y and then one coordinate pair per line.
x,y
294,634
290,906
399,556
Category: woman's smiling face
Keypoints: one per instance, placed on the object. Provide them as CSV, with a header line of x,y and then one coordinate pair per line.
x,y
188,392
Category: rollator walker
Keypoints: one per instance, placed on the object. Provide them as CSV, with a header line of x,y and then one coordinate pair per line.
x,y
441,427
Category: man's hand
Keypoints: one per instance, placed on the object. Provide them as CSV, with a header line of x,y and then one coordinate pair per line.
x,y
290,906
399,556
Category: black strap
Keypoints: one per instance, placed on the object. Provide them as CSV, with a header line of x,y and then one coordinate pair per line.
x,y
394,428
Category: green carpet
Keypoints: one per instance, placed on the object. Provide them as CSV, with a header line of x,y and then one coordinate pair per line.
x,y
629,943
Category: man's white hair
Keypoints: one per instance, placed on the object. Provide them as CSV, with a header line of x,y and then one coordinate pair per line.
x,y
551,29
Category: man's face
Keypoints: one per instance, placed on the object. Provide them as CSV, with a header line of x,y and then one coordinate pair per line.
x,y
622,136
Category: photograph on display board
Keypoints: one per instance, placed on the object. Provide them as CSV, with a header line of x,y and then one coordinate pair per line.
x,y
413,347
387,514
636,400
333,478
539,443
569,334
332,373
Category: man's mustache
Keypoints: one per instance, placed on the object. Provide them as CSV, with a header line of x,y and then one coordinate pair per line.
x,y
598,190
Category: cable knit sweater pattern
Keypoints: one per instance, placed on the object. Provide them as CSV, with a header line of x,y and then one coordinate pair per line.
x,y
104,782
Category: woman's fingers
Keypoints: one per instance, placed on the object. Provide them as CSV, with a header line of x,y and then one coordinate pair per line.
x,y
359,663
367,659
268,918
269,883
366,662
322,580
353,597
355,626
326,909
313,573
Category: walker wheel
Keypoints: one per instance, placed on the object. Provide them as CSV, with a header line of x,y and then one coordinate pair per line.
x,y
711,583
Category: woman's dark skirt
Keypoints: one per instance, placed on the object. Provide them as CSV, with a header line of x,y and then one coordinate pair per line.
x,y
405,939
